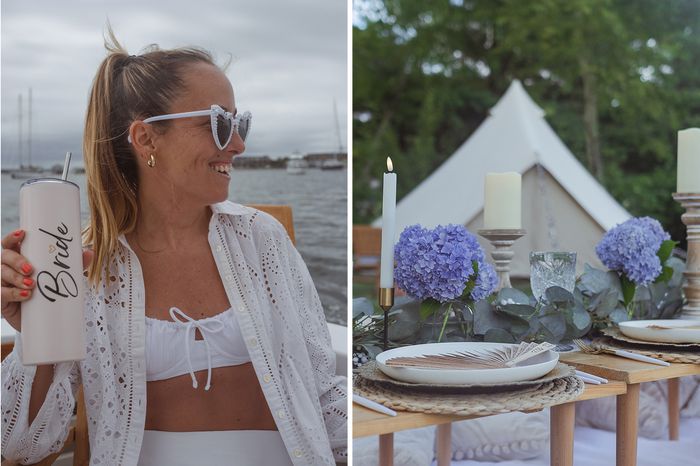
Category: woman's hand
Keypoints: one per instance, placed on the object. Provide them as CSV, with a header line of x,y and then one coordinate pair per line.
x,y
17,281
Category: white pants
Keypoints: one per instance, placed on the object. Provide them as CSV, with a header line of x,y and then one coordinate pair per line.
x,y
214,448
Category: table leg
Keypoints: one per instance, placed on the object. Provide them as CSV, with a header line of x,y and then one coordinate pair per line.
x,y
444,444
674,412
386,449
627,426
561,434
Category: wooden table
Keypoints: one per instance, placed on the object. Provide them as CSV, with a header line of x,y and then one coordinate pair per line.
x,y
633,373
367,422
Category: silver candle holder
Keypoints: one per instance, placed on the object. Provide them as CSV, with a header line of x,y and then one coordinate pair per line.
x,y
502,253
691,218
386,302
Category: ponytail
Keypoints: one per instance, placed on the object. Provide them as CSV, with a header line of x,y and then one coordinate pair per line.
x,y
125,88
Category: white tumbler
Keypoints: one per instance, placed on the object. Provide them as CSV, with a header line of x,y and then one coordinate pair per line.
x,y
53,328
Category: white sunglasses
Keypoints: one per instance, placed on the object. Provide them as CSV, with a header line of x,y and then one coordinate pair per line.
x,y
223,123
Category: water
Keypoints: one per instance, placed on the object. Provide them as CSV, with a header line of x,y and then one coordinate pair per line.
x,y
319,207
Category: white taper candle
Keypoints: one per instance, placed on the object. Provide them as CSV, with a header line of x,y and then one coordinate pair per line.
x,y
386,276
688,180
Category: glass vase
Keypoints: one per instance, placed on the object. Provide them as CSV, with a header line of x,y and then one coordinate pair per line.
x,y
642,306
452,321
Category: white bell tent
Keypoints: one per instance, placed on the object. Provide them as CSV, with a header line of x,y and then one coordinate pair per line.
x,y
564,208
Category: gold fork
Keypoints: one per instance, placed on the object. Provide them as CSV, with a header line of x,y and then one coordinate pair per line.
x,y
586,348
622,353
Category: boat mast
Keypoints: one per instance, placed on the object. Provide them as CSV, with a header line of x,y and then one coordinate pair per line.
x,y
20,131
29,131
337,130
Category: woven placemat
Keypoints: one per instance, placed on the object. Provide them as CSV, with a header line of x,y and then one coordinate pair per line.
x,y
688,357
371,372
530,398
616,334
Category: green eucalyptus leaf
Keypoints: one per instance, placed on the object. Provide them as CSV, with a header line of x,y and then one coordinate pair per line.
x,y
618,315
604,303
678,266
558,295
581,319
498,335
520,330
362,306
506,295
485,318
555,324
520,311
372,350
594,281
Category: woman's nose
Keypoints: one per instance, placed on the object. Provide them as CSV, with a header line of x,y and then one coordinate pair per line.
x,y
236,146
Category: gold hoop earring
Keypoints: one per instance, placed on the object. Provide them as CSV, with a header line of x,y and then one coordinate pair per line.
x,y
151,161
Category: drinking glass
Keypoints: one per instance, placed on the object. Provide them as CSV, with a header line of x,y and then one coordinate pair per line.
x,y
552,268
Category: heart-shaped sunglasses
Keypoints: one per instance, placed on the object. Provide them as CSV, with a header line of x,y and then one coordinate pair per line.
x,y
223,123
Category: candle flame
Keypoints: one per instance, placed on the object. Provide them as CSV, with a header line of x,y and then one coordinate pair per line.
x,y
389,165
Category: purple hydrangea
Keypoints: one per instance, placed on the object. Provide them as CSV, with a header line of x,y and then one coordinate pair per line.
x,y
631,248
486,281
438,263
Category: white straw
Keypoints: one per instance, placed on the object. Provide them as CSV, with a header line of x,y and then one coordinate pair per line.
x,y
589,380
361,400
66,164
591,376
641,357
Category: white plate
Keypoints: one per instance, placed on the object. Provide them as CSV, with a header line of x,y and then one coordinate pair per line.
x,y
528,370
640,330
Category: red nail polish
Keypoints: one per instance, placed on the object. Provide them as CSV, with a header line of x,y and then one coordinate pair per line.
x,y
24,293
28,281
26,268
17,233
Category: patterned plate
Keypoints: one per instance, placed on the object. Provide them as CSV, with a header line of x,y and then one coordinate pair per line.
x,y
371,372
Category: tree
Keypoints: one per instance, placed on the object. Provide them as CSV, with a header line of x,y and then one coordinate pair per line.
x,y
616,78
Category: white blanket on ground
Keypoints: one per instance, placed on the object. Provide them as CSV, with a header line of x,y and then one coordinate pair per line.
x,y
594,447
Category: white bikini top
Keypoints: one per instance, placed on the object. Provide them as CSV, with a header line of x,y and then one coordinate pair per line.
x,y
171,348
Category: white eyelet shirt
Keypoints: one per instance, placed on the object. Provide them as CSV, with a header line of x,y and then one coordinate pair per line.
x,y
282,323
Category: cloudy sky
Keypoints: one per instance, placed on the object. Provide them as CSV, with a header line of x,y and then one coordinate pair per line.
x,y
289,65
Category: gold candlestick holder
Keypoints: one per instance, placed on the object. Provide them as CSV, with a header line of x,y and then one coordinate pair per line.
x,y
502,240
386,302
691,218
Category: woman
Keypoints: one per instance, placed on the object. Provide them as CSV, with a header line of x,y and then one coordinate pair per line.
x,y
206,340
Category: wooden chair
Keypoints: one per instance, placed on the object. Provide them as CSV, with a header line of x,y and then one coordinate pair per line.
x,y
366,252
78,435
283,213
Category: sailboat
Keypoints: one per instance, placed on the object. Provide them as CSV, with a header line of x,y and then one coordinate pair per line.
x,y
25,171
296,165
334,163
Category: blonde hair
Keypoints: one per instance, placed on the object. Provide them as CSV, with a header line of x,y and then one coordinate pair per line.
x,y
125,88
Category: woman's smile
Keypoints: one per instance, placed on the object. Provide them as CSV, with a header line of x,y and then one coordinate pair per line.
x,y
221,168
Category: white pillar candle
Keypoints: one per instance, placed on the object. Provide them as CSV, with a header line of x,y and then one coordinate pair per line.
x,y
688,161
502,198
386,276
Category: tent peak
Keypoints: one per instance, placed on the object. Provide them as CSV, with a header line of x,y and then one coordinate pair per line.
x,y
516,100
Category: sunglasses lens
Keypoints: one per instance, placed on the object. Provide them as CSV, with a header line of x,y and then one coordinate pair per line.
x,y
223,130
243,128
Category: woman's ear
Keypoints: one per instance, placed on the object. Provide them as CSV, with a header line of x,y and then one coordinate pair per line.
x,y
142,138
